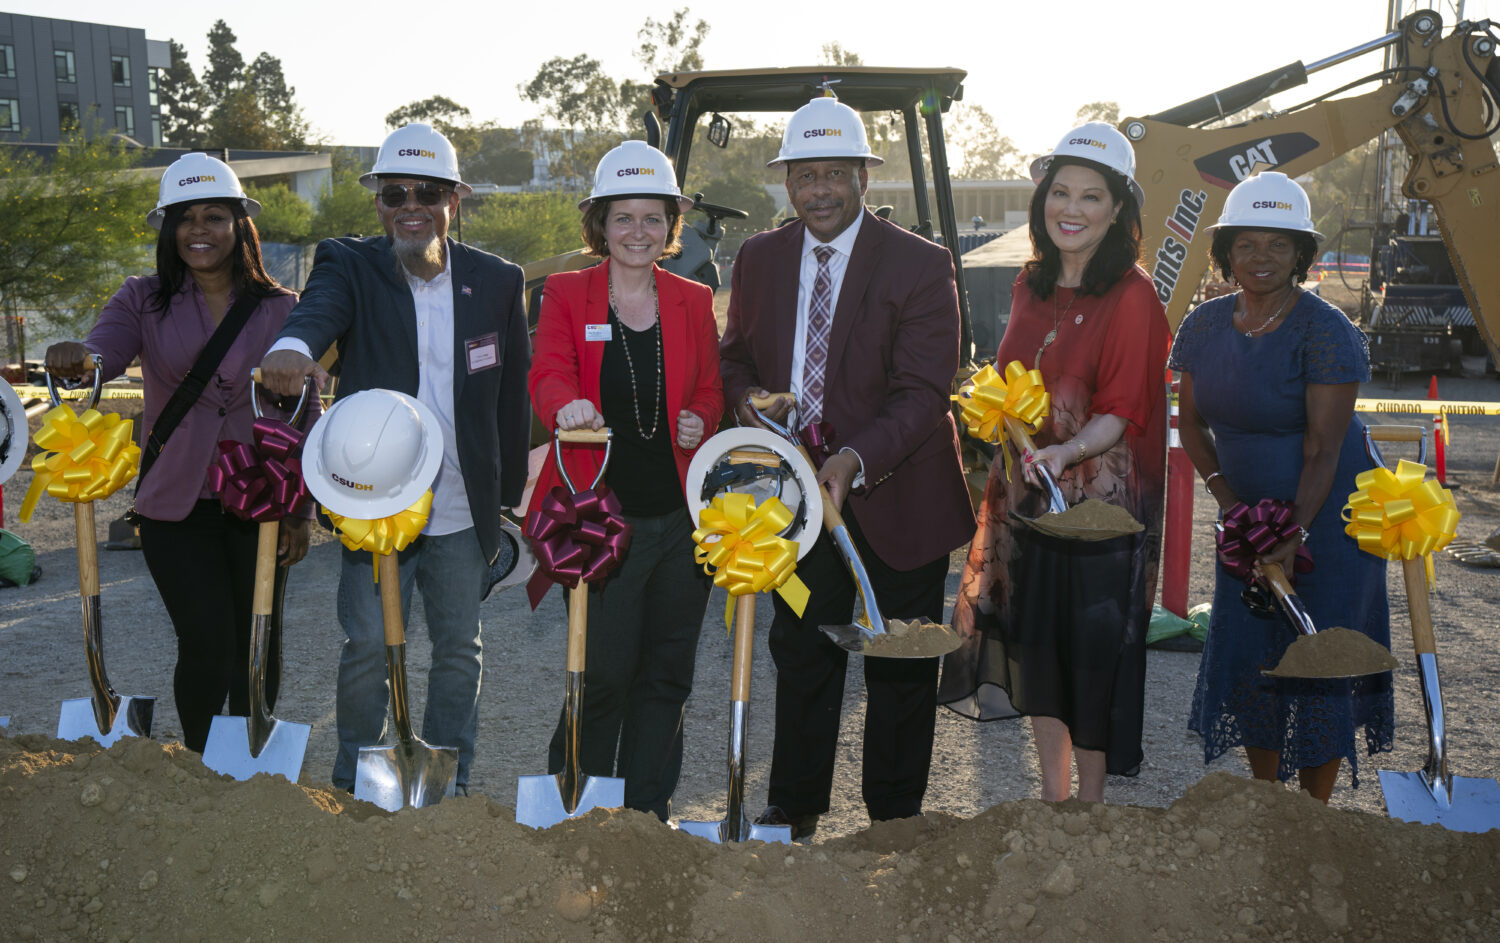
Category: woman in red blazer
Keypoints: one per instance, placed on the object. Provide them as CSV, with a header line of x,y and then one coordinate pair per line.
x,y
630,346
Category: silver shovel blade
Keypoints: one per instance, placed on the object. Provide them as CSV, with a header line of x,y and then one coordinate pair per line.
x,y
133,719
228,748
1473,805
539,799
718,832
407,775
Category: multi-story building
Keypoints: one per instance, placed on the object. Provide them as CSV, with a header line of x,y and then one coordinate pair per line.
x,y
53,73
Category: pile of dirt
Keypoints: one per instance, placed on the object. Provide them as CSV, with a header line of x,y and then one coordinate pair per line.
x,y
1334,652
141,842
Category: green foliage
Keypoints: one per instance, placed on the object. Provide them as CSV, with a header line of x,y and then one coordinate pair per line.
x,y
1106,111
71,229
233,105
524,227
977,149
742,193
181,100
671,45
345,207
284,216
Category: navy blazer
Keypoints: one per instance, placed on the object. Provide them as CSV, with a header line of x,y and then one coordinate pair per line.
x,y
357,297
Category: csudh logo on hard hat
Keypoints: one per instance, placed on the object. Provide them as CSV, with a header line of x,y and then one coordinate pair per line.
x,y
1089,142
635,172
416,152
1271,205
823,133
201,178
351,484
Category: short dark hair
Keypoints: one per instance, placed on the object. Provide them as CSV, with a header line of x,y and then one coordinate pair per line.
x,y
593,225
1224,237
1115,256
246,268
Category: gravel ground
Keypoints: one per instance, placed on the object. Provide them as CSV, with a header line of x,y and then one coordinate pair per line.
x,y
975,766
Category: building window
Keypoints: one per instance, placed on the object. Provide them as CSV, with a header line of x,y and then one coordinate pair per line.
x,y
7,61
119,67
67,115
10,114
125,120
63,60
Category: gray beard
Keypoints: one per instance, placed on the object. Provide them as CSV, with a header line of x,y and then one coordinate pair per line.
x,y
419,257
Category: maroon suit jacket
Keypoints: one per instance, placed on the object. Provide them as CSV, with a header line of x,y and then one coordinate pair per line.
x,y
892,356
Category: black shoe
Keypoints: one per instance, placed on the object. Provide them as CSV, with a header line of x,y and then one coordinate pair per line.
x,y
802,828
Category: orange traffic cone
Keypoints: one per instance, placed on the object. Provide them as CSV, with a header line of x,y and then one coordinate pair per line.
x,y
1432,392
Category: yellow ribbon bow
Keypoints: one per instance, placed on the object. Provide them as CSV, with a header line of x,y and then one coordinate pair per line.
x,y
385,534
989,397
1401,515
737,544
86,457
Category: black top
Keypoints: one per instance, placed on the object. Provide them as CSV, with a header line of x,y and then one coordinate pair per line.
x,y
642,472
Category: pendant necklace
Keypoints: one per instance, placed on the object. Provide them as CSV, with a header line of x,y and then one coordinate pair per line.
x,y
1056,320
1290,291
635,396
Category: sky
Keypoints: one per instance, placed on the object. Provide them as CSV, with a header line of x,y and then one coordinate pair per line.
x,y
1029,65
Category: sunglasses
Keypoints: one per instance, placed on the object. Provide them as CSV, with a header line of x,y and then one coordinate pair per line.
x,y
428,194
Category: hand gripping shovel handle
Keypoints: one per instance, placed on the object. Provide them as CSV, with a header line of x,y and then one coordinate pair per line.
x,y
1275,577
1056,503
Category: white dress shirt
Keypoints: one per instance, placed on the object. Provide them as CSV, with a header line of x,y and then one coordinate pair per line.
x,y
843,245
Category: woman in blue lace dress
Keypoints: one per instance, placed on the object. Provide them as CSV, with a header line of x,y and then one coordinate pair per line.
x,y
1269,376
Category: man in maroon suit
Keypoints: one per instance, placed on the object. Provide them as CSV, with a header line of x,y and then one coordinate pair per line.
x,y
859,319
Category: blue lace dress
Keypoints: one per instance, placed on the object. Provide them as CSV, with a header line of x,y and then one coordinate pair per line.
x,y
1251,392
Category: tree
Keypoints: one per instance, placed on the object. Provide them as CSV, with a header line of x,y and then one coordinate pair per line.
x,y
72,228
222,74
987,154
524,227
247,107
181,100
672,45
441,112
284,216
277,102
1105,111
345,206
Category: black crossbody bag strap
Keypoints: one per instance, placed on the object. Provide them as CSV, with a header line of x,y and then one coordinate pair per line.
x,y
195,381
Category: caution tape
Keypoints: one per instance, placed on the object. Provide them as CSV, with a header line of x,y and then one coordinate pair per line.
x,y
40,392
1431,407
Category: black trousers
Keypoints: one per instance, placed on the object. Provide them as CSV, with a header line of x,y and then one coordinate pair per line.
x,y
643,627
204,569
901,693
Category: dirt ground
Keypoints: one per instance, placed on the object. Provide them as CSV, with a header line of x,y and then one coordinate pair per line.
x,y
142,843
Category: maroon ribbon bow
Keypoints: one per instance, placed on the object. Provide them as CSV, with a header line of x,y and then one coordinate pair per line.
x,y
815,437
1246,532
575,536
262,482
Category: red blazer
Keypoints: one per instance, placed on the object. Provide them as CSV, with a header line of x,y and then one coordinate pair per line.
x,y
892,358
565,366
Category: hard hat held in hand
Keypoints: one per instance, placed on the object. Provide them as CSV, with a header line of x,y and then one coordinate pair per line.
x,y
416,150
825,129
635,169
372,454
198,178
1268,200
1098,143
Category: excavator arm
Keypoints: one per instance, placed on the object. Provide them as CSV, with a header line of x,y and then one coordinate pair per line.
x,y
1442,101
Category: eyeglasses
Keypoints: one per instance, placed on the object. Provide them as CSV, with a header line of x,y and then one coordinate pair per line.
x,y
428,194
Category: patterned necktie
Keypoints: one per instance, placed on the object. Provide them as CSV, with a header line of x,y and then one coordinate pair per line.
x,y
819,320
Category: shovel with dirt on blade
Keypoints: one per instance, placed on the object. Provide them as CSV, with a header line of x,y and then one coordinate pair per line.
x,y
546,799
871,633
89,457
240,747
1405,516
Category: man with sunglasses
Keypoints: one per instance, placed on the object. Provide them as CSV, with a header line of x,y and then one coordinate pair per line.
x,y
417,312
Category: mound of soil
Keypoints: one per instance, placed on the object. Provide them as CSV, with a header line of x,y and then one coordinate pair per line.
x,y
142,843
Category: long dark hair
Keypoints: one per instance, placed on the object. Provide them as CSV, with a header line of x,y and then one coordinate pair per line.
x,y
1114,257
248,271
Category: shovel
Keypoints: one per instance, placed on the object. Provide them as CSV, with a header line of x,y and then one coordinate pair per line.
x,y
546,799
1431,795
870,633
736,825
409,774
105,716
1117,523
240,747
1333,653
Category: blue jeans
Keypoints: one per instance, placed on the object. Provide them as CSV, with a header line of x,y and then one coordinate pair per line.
x,y
451,573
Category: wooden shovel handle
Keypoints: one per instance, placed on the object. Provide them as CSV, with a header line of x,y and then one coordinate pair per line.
x,y
265,568
597,436
88,549
744,647
1415,573
1276,577
578,622
390,598
1392,432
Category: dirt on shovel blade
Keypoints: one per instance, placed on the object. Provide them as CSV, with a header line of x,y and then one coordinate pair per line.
x,y
919,639
1088,520
1333,653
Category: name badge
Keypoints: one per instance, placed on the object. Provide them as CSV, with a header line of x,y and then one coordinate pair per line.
x,y
597,332
483,351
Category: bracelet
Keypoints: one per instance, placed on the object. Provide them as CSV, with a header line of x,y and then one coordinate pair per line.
x,y
1083,450
1302,532
1210,480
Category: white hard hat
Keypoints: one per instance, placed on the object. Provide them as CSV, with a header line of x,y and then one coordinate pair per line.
x,y
372,454
793,480
825,129
1268,200
416,150
198,178
14,431
635,169
1099,143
